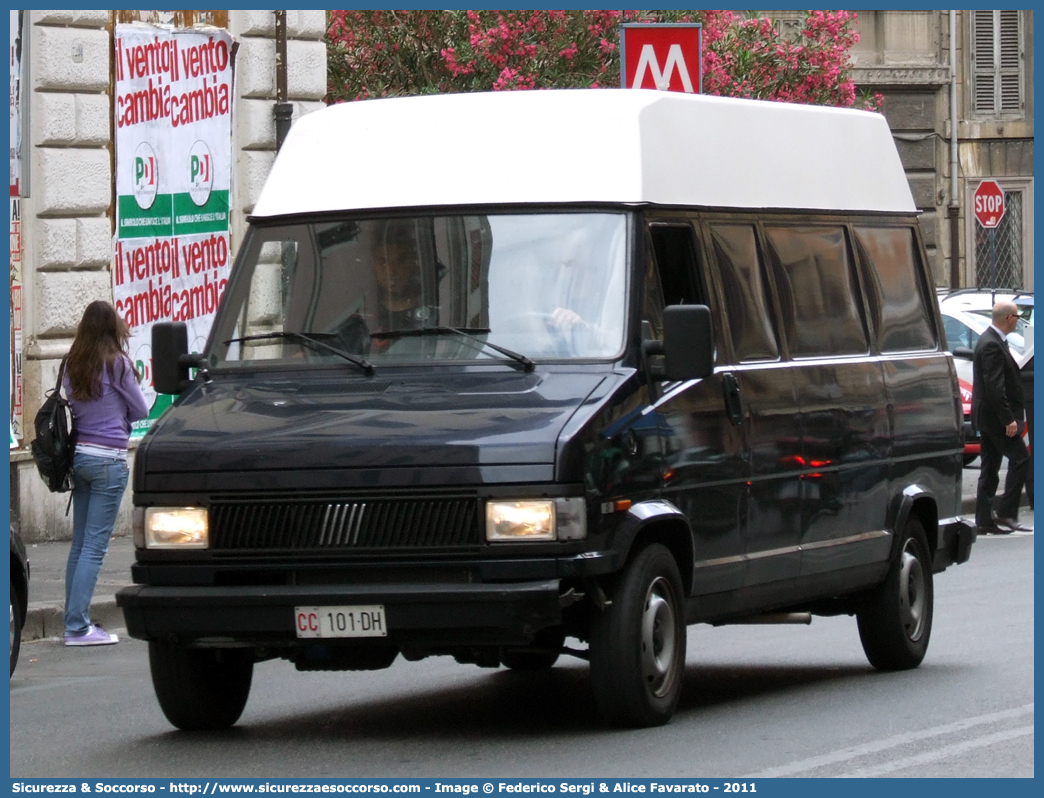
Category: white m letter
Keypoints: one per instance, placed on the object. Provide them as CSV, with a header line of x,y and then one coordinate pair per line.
x,y
675,60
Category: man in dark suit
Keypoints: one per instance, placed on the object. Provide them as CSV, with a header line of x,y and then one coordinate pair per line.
x,y
998,412
1027,391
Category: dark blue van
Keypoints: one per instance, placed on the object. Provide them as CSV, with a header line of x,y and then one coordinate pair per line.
x,y
506,377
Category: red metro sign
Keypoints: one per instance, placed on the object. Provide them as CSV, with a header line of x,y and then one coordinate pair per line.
x,y
989,204
664,57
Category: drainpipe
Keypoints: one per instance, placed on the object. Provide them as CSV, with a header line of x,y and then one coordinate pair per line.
x,y
283,110
954,211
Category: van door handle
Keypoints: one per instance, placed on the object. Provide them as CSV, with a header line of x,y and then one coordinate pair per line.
x,y
733,403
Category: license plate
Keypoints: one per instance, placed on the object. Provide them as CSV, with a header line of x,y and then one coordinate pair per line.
x,y
365,620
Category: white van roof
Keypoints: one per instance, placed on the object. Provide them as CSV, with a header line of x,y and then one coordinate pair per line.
x,y
584,146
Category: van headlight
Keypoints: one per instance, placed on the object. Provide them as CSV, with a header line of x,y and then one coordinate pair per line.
x,y
176,528
535,519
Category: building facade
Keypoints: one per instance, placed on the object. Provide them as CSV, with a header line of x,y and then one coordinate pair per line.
x,y
958,95
64,177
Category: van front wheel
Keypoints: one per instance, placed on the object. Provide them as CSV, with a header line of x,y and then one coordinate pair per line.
x,y
895,620
200,688
637,643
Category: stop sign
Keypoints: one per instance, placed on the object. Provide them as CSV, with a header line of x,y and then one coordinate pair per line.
x,y
989,203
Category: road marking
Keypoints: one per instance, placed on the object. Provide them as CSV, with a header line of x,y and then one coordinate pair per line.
x,y
856,751
941,753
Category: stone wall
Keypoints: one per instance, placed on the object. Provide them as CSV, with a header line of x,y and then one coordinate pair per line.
x,y
253,121
903,56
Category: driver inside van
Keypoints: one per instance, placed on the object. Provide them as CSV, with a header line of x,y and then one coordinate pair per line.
x,y
566,321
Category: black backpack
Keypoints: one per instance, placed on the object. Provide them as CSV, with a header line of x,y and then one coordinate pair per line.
x,y
55,439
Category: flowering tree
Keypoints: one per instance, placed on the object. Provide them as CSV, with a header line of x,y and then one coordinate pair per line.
x,y
393,53
748,58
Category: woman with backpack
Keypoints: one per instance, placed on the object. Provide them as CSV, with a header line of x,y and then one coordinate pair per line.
x,y
102,385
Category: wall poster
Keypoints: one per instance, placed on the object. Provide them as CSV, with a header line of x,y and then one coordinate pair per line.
x,y
17,415
173,121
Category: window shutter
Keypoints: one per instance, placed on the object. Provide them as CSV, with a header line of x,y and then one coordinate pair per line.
x,y
997,62
982,60
1010,63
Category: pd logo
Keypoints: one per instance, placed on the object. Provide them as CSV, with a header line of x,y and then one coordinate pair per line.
x,y
146,176
201,173
664,57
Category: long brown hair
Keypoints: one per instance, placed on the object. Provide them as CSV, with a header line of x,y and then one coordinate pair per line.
x,y
101,340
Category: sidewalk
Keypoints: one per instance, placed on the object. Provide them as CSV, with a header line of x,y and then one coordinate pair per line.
x,y
47,579
47,587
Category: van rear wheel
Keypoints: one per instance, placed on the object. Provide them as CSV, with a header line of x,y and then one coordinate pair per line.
x,y
895,620
200,688
637,643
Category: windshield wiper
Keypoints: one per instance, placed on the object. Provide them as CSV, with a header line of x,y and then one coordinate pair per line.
x,y
525,362
308,340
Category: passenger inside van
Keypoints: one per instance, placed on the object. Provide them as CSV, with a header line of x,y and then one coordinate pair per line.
x,y
400,305
397,273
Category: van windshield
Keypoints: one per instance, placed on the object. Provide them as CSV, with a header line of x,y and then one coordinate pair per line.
x,y
404,289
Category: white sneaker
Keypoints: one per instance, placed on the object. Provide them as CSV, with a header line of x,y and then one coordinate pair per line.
x,y
95,636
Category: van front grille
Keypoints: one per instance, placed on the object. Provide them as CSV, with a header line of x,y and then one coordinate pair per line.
x,y
350,524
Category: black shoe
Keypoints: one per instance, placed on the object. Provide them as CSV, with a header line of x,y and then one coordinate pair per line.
x,y
993,529
1010,525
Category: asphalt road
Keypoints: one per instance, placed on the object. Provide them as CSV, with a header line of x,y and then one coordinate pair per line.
x,y
758,702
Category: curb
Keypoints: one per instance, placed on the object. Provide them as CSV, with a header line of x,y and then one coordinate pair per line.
x,y
968,505
46,619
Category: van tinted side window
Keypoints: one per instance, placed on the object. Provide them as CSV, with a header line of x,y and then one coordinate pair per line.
x,y
675,253
652,298
739,273
890,262
818,295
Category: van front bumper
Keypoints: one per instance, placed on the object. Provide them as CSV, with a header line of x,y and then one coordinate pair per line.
x,y
432,615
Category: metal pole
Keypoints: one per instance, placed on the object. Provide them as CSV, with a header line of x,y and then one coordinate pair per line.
x,y
954,211
992,235
283,110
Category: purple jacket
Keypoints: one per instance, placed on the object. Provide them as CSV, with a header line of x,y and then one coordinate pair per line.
x,y
106,421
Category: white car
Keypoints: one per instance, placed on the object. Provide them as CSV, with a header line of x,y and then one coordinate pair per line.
x,y
966,315
981,302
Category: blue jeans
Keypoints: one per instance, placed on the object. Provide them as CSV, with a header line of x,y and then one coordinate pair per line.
x,y
98,486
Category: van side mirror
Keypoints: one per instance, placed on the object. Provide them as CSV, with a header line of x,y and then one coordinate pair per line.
x,y
963,352
688,343
171,360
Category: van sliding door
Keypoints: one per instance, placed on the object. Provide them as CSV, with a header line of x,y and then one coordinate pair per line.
x,y
840,390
